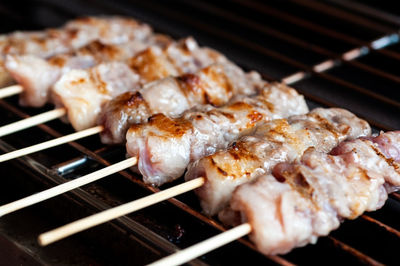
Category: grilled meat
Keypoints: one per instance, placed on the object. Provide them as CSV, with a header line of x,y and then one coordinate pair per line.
x,y
165,146
277,141
84,92
73,35
215,84
148,65
301,201
37,74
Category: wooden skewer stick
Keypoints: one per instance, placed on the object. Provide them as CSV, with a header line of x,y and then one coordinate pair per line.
x,y
57,190
202,248
10,91
113,213
32,121
51,143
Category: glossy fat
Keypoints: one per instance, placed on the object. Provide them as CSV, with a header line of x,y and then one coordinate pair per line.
x,y
167,94
83,92
116,77
207,129
73,35
302,201
37,74
215,84
277,141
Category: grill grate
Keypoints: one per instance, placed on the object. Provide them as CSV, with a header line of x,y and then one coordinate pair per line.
x,y
337,53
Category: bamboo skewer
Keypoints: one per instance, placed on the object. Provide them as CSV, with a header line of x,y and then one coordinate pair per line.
x,y
204,247
32,121
57,190
51,143
113,213
10,91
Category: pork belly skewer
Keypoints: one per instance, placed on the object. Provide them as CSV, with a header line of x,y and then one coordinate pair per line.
x,y
107,80
165,146
73,35
150,65
37,75
282,140
302,201
214,84
209,82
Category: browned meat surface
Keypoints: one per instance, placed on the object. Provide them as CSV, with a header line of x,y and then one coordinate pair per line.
x,y
74,34
152,63
37,74
165,146
215,84
301,201
277,141
83,92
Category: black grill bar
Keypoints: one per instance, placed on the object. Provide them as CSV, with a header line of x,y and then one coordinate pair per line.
x,y
361,256
329,10
396,196
369,10
264,29
268,10
297,21
386,227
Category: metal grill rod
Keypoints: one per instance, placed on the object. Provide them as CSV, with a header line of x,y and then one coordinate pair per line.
x,y
299,21
380,43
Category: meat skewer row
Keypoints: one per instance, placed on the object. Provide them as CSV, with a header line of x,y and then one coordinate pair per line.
x,y
84,92
195,183
81,93
302,201
244,104
218,82
165,146
36,75
216,85
282,140
73,35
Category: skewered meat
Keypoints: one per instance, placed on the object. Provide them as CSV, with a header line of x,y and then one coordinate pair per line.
x,y
215,84
274,142
74,34
184,56
37,74
302,201
165,146
84,92
152,63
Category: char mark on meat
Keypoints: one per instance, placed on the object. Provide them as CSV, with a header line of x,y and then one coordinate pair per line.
x,y
302,201
277,141
164,154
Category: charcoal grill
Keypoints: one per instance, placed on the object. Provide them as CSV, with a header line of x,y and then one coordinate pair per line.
x,y
337,53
